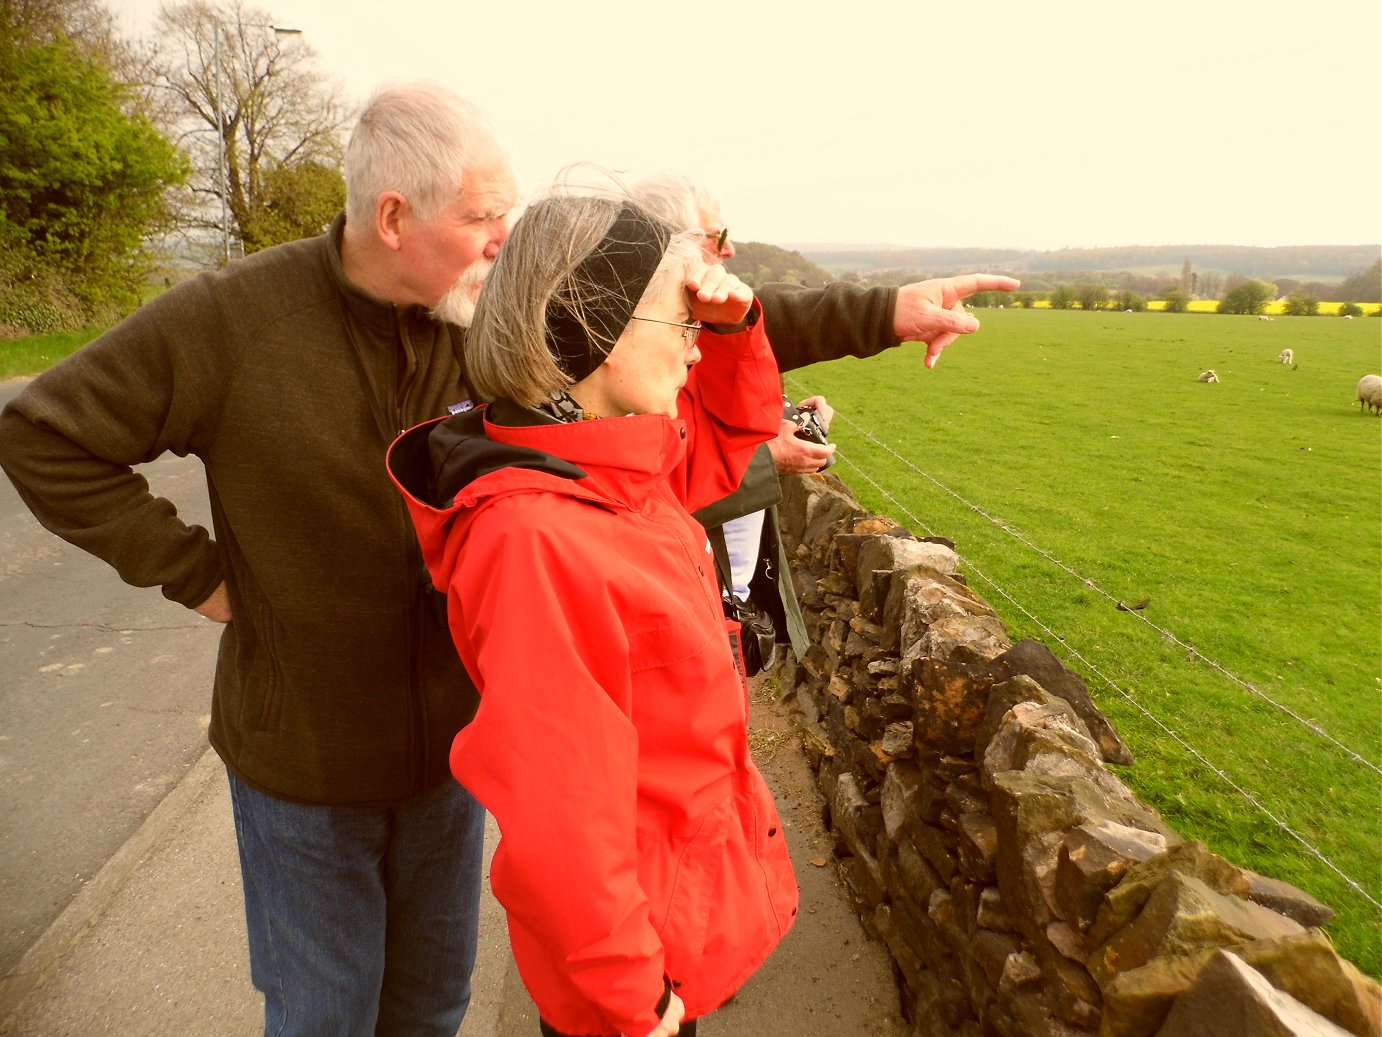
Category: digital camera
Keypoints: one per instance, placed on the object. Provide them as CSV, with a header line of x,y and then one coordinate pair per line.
x,y
808,424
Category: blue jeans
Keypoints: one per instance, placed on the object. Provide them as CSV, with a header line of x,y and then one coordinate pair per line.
x,y
363,921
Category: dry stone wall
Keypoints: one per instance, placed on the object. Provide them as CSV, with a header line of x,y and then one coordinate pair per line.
x,y
1022,889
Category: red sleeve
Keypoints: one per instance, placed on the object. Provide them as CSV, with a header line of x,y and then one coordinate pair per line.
x,y
732,402
552,752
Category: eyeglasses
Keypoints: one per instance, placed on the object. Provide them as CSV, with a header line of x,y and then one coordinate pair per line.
x,y
718,236
689,332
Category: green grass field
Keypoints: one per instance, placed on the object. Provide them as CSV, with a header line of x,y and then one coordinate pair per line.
x,y
37,353
1077,463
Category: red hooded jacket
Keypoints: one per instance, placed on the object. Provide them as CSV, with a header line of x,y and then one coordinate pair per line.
x,y
640,845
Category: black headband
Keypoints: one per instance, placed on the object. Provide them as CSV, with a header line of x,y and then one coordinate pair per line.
x,y
610,281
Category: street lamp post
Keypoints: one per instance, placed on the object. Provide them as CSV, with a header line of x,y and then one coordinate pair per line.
x,y
221,159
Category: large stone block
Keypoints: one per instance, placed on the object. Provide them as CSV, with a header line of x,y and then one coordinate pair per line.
x,y
848,807
1286,899
1042,740
1308,968
938,847
873,600
921,934
1136,1001
962,638
1231,999
864,876
1123,902
895,552
918,878
900,797
932,803
966,795
1071,992
950,699
828,506
941,1005
991,951
967,894
1031,814
1038,662
1094,858
920,598
894,936
978,845
1182,916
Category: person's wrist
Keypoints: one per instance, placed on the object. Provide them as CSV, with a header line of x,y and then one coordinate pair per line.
x,y
749,320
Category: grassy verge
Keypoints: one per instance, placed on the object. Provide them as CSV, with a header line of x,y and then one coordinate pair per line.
x,y
22,357
1247,513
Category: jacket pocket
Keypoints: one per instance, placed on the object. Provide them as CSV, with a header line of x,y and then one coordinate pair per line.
x,y
263,685
691,898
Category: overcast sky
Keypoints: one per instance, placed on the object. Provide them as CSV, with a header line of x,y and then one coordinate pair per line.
x,y
1079,123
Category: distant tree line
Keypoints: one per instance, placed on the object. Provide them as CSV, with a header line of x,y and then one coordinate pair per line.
x,y
1124,290
1305,262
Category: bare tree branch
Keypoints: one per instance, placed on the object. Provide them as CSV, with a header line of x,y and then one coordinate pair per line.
x,y
273,106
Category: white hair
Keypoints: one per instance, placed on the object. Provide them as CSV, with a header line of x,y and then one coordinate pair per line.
x,y
675,199
417,139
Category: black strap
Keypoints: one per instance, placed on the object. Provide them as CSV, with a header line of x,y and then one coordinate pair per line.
x,y
716,535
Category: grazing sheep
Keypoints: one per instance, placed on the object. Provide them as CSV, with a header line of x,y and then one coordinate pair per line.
x,y
1286,356
1370,393
1263,316
1208,376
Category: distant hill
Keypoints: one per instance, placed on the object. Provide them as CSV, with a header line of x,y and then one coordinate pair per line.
x,y
757,264
1302,262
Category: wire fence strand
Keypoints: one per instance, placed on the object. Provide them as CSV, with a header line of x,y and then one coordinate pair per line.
x,y
1171,733
1310,725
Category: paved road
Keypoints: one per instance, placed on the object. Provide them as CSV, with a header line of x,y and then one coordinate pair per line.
x,y
105,693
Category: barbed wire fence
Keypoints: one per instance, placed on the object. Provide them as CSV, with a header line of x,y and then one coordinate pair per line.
x,y
1255,802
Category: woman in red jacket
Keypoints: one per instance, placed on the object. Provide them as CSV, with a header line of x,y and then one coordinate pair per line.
x,y
642,863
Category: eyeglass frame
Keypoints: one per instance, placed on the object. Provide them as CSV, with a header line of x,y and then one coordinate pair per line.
x,y
718,236
690,332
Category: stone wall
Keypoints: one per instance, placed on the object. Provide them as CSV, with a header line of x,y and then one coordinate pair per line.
x,y
1020,886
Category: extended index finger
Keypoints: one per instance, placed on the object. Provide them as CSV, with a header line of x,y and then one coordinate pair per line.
x,y
965,285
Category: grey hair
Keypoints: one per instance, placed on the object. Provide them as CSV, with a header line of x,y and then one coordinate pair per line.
x,y
417,139
507,355
674,199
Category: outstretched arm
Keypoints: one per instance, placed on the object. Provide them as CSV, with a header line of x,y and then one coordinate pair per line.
x,y
810,325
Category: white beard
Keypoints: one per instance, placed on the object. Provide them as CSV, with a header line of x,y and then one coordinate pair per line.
x,y
457,306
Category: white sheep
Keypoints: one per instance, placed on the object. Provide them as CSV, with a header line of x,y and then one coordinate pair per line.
x,y
1263,316
1208,376
1286,356
1370,393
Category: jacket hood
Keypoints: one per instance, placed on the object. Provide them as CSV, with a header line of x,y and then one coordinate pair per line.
x,y
436,461
440,464
451,468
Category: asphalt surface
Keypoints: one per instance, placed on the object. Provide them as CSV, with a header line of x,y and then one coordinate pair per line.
x,y
104,702
122,910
